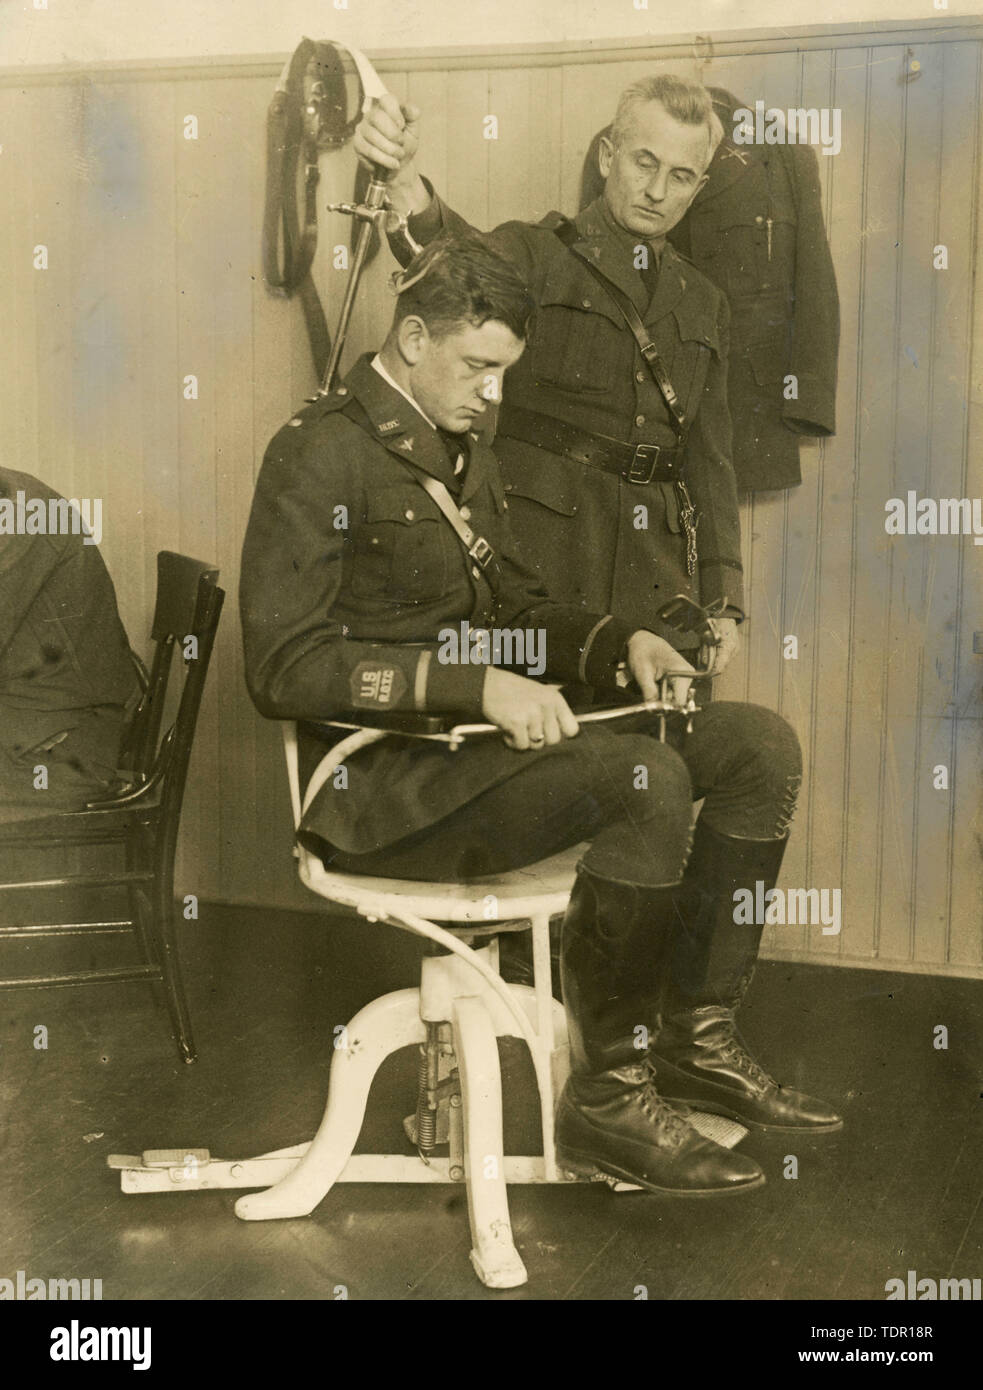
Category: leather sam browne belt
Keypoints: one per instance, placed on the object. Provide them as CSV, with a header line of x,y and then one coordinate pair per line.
x,y
639,463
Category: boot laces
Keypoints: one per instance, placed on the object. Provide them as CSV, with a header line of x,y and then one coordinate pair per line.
x,y
674,1125
735,1051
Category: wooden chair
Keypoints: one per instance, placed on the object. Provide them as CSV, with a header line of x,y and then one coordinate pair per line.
x,y
143,815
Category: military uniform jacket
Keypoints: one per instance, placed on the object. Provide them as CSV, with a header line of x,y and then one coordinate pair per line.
x,y
783,297
349,575
597,539
66,674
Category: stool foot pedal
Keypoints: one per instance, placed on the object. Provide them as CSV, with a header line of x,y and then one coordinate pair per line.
x,y
581,1170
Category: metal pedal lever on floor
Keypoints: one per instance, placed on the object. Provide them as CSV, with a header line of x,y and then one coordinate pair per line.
x,y
171,1170
175,1170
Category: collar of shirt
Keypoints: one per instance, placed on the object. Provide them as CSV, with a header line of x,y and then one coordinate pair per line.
x,y
630,239
386,376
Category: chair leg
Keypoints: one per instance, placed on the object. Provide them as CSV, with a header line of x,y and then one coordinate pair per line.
x,y
177,1004
494,1256
375,1032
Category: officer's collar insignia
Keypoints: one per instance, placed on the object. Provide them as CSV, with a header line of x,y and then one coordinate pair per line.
x,y
732,152
407,444
388,426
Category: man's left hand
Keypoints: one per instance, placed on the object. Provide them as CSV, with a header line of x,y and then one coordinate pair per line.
x,y
721,656
649,657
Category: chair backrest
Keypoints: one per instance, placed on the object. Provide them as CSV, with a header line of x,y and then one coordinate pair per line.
x,y
185,607
188,608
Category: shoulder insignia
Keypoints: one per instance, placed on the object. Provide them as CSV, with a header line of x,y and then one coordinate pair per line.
x,y
319,406
732,152
334,400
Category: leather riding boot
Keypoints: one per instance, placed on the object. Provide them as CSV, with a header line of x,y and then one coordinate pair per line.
x,y
613,959
700,1057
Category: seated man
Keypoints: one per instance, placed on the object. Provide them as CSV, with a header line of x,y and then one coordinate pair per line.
x,y
66,673
358,592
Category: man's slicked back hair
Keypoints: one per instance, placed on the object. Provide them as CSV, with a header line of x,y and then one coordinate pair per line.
x,y
686,101
460,280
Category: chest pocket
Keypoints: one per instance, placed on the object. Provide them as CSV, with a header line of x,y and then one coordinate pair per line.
x,y
577,340
731,236
698,343
401,552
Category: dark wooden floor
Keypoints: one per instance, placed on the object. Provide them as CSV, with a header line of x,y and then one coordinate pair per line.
x,y
898,1189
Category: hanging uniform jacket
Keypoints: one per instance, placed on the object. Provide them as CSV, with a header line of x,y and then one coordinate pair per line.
x,y
66,675
756,230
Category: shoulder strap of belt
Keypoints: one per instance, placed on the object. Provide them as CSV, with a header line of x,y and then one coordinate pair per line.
x,y
567,233
477,549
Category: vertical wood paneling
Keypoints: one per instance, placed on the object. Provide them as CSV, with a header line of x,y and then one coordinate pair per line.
x,y
155,273
804,540
18,353
828,494
951,334
905,636
965,946
874,443
468,152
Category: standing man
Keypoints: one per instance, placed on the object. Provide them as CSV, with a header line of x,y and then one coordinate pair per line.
x,y
615,438
595,461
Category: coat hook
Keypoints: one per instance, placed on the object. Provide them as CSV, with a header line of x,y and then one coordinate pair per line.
x,y
911,67
703,49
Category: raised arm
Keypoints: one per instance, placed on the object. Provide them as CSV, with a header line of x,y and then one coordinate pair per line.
x,y
388,135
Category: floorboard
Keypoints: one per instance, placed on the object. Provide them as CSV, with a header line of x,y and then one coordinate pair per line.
x,y
898,1189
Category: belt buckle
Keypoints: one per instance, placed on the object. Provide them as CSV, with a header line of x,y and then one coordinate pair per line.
x,y
481,552
643,463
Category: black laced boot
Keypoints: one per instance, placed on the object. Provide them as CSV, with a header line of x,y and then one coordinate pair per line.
x,y
700,1057
613,960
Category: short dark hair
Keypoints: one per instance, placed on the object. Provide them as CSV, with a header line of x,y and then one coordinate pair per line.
x,y
461,280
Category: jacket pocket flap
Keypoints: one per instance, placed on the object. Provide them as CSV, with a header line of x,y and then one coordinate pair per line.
x,y
406,505
543,479
694,324
570,283
767,362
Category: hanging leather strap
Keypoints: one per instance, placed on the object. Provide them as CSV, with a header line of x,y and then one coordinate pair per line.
x,y
299,125
567,233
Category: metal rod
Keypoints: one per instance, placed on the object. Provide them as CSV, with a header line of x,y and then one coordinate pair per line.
x,y
374,198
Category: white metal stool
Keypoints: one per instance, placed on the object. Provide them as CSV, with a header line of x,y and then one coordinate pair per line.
x,y
461,1008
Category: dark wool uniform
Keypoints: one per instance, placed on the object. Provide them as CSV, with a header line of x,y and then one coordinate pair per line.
x,y
756,230
349,574
597,538
350,571
65,668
